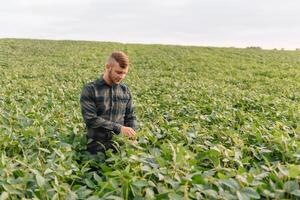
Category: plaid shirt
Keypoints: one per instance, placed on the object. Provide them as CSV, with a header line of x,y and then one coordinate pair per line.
x,y
106,108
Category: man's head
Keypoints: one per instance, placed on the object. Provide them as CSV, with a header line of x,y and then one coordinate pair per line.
x,y
116,68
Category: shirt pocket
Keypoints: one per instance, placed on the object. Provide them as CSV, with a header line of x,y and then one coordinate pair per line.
x,y
122,102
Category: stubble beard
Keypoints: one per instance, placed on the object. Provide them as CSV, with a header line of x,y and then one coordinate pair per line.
x,y
110,76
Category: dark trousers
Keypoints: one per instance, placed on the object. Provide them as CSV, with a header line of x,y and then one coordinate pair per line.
x,y
99,140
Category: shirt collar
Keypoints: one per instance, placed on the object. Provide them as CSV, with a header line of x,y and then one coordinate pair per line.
x,y
102,82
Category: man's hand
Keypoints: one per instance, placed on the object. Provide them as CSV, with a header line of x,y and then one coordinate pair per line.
x,y
127,131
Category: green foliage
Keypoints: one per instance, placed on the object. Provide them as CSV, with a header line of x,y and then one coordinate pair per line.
x,y
215,123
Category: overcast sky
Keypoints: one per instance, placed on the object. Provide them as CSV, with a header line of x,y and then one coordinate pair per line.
x,y
239,23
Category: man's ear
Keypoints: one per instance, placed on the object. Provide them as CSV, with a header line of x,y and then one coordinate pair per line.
x,y
107,66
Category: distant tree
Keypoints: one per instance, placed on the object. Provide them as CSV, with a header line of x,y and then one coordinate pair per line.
x,y
253,47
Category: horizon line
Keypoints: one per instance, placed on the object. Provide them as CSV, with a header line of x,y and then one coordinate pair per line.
x,y
154,43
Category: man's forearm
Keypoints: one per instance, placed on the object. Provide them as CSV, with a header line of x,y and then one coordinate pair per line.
x,y
96,122
131,123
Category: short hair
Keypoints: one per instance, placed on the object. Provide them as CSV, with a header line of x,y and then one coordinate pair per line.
x,y
120,57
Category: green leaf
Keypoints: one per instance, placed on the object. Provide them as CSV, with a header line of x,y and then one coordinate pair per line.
x,y
231,183
291,186
48,171
127,169
97,177
82,192
71,195
113,197
18,173
296,193
41,181
162,196
150,183
4,196
197,178
149,193
251,193
294,171
93,198
211,193
175,196
160,176
44,150
89,183
140,183
242,196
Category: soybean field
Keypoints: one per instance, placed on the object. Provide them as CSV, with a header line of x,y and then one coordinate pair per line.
x,y
214,123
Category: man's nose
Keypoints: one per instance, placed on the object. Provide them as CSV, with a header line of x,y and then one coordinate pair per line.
x,y
122,76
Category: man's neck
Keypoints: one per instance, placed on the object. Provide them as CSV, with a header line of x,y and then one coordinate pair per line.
x,y
107,79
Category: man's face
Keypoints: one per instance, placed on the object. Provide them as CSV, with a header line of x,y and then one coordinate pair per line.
x,y
117,73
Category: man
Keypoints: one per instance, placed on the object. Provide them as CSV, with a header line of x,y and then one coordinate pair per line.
x,y
106,105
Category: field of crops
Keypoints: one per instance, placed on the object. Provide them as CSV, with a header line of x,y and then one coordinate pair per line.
x,y
215,123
